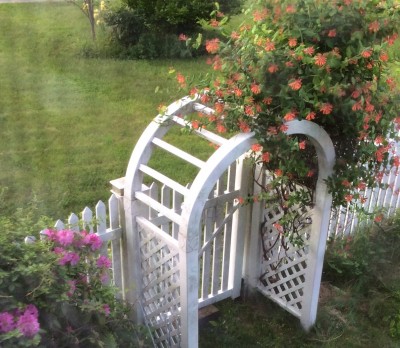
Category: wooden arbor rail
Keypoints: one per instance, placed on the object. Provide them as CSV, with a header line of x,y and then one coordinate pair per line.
x,y
171,233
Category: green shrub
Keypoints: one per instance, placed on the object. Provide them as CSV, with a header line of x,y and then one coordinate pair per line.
x,y
56,292
126,26
366,257
155,29
173,16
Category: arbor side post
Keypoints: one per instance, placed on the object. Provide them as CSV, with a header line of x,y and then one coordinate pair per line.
x,y
130,252
132,275
189,284
118,220
252,259
321,215
317,246
240,227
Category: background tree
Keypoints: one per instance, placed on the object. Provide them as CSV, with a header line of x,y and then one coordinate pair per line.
x,y
177,16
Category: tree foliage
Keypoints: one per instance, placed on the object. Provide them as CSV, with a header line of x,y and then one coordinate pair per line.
x,y
176,16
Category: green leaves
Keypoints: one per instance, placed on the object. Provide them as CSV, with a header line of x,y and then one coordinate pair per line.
x,y
320,61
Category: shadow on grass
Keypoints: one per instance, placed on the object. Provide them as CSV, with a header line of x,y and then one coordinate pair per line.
x,y
359,302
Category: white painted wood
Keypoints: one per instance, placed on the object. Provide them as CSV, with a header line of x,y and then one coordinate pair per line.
x,y
226,249
189,232
87,220
179,153
171,242
319,229
59,225
164,179
209,218
158,207
220,229
240,228
177,200
203,109
101,216
252,256
153,195
117,219
212,137
101,225
73,222
218,242
211,299
111,235
166,202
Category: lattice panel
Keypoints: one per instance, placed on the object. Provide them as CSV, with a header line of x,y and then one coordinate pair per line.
x,y
284,265
161,292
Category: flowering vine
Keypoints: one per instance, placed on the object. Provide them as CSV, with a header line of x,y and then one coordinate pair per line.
x,y
325,61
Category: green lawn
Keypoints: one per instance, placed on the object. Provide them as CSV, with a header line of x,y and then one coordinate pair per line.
x,y
359,303
68,123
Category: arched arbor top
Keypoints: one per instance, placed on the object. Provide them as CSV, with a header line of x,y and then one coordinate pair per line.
x,y
174,225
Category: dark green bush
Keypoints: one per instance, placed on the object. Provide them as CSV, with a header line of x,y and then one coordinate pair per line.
x,y
71,311
152,45
364,257
178,16
126,26
149,29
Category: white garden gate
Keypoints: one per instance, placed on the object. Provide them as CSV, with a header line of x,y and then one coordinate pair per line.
x,y
184,246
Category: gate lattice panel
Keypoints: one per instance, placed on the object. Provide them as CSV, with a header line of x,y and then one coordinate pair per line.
x,y
161,294
283,267
159,260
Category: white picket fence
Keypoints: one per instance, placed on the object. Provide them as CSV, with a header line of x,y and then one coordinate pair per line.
x,y
106,223
344,221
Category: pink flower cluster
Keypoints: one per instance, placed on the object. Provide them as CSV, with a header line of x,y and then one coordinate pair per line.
x,y
71,247
24,321
65,238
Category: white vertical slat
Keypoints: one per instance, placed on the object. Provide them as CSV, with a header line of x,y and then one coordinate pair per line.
x,y
73,222
252,257
240,229
101,222
59,225
153,193
166,201
389,189
177,199
347,221
342,211
382,192
395,195
209,216
218,242
332,224
87,220
113,205
230,186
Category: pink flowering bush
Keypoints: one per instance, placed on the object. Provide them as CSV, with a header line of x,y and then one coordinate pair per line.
x,y
326,61
57,292
22,325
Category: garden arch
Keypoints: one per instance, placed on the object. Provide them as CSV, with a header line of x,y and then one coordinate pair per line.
x,y
169,228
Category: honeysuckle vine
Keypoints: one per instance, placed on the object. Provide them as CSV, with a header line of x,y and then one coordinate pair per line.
x,y
326,61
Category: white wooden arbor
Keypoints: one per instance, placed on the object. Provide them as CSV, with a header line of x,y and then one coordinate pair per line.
x,y
184,245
